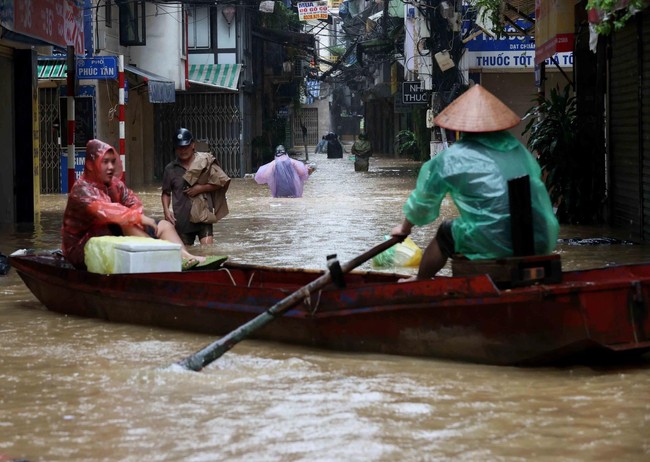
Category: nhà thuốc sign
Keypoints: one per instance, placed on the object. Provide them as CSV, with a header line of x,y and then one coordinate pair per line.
x,y
412,93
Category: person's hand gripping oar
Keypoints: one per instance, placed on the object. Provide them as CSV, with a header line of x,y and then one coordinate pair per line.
x,y
215,350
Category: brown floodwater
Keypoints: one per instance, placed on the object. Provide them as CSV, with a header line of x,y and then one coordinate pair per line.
x,y
86,390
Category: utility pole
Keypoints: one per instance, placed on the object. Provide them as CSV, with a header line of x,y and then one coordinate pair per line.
x,y
71,92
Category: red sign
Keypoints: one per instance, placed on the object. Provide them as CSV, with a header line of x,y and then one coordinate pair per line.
x,y
54,21
561,43
554,28
596,16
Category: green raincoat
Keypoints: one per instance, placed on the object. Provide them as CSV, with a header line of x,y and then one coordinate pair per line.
x,y
475,171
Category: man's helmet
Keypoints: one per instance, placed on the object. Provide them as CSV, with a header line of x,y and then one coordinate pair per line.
x,y
183,137
280,151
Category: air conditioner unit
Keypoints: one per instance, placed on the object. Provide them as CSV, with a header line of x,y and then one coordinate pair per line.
x,y
444,61
300,67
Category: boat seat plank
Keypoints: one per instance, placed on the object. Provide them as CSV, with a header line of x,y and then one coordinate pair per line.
x,y
523,268
512,271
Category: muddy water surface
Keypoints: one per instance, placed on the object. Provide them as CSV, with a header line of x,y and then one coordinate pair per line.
x,y
85,390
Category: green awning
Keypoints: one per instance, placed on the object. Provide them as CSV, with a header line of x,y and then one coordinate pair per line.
x,y
222,76
52,69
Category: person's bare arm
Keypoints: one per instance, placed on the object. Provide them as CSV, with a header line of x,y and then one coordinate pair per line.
x,y
200,189
169,215
403,229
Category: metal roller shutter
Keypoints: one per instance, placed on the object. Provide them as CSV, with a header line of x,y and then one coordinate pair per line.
x,y
645,121
625,161
213,118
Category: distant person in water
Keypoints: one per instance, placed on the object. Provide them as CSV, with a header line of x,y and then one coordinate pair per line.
x,y
334,146
100,204
285,176
362,150
321,146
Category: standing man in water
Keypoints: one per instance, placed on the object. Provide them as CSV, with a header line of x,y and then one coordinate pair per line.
x,y
180,194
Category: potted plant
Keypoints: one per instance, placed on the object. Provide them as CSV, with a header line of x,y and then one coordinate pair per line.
x,y
406,144
568,164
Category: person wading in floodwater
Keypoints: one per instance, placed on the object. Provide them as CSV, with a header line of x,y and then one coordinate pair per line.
x,y
285,176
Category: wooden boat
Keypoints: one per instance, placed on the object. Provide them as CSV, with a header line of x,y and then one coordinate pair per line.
x,y
593,314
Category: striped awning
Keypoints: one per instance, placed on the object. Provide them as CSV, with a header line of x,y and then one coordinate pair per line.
x,y
223,76
52,69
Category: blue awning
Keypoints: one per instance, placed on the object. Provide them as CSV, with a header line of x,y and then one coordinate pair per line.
x,y
161,89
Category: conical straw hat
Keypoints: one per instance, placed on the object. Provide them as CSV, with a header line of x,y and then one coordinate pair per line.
x,y
477,110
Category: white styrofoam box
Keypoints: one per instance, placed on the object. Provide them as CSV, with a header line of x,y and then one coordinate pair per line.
x,y
127,254
147,257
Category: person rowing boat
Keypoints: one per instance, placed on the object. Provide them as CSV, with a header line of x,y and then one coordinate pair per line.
x,y
475,171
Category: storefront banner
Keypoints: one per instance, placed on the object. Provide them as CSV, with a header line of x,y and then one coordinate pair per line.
x,y
484,42
504,60
57,22
554,27
510,52
312,10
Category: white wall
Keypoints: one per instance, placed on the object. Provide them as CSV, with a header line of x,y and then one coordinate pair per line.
x,y
162,55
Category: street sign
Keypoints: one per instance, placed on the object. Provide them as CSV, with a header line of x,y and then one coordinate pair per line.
x,y
97,68
412,93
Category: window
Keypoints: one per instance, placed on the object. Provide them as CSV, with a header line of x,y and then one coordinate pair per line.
x,y
108,13
198,27
132,22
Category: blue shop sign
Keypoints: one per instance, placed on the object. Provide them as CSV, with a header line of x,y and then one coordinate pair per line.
x,y
97,68
484,42
507,52
79,163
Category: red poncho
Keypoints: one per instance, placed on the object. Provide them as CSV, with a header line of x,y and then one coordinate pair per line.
x,y
93,205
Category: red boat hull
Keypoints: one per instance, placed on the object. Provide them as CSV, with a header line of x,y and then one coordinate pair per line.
x,y
597,313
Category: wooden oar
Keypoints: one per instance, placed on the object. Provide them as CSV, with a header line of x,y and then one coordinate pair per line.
x,y
215,350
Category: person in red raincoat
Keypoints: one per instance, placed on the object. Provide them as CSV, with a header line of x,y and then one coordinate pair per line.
x,y
100,204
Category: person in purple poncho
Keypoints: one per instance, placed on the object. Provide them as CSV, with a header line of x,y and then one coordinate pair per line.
x,y
285,176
